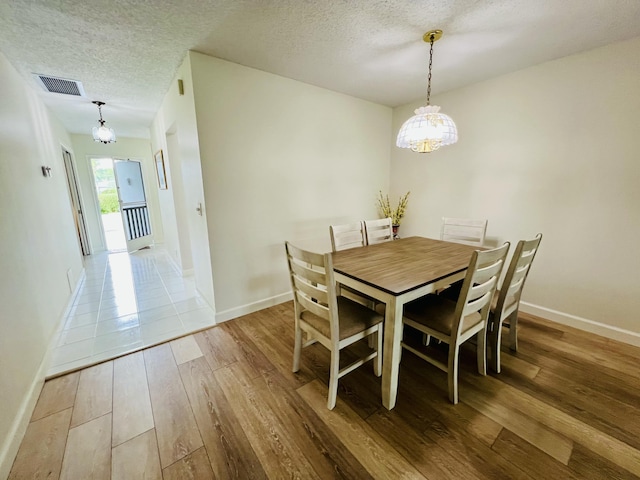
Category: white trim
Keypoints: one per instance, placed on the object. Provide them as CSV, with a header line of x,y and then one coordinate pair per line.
x,y
72,298
253,307
78,189
608,331
96,203
175,265
20,423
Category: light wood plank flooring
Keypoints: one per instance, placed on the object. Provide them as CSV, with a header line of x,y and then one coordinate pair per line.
x,y
223,403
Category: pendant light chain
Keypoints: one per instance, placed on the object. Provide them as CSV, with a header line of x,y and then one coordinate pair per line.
x,y
428,129
102,133
430,63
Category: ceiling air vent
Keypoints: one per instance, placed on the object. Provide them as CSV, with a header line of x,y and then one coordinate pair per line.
x,y
60,85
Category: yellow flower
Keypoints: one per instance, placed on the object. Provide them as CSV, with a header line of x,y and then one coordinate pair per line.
x,y
387,212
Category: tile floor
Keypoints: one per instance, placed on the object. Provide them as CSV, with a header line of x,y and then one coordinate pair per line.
x,y
127,302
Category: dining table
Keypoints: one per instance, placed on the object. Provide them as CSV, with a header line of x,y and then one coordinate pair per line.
x,y
395,273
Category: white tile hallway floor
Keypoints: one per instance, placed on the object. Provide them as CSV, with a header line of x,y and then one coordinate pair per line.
x,y
127,302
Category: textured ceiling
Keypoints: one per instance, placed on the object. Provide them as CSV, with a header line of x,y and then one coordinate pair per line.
x,y
126,52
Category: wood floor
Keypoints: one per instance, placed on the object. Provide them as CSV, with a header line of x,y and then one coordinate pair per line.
x,y
223,403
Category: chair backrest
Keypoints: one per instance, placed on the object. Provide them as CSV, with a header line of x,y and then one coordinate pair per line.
x,y
479,285
378,231
513,283
348,235
463,230
313,285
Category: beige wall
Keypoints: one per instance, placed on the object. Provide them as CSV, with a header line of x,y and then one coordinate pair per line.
x,y
86,148
551,149
41,261
281,160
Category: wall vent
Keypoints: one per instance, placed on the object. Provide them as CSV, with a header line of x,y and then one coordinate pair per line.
x,y
60,85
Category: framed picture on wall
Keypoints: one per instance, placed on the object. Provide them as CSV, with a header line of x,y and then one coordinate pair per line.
x,y
162,177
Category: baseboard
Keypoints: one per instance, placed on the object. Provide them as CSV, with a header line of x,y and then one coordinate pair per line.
x,y
21,420
185,272
608,331
252,307
56,336
75,293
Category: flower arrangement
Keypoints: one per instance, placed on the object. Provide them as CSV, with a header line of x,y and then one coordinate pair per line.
x,y
395,214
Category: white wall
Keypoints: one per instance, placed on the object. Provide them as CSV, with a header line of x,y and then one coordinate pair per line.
x,y
86,148
41,261
174,130
551,149
281,160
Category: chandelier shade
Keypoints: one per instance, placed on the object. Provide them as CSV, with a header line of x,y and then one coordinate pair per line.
x,y
428,129
103,133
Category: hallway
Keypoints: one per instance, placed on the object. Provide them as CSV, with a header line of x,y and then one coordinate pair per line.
x,y
127,302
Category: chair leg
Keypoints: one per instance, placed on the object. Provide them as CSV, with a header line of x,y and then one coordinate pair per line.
x,y
495,344
481,351
377,362
452,373
426,339
297,348
513,331
333,378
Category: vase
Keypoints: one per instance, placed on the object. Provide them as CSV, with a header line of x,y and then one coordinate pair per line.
x,y
395,229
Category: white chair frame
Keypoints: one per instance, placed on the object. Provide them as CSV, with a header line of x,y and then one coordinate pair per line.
x,y
348,235
317,307
468,316
378,231
463,230
504,311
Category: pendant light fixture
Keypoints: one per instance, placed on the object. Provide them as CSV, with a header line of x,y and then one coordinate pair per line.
x,y
103,134
428,129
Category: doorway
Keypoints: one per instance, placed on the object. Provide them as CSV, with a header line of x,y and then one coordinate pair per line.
x,y
133,204
108,203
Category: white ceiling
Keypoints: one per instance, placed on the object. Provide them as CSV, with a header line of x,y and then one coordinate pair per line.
x,y
125,52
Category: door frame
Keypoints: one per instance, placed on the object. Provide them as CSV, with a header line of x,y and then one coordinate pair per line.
x,y
75,197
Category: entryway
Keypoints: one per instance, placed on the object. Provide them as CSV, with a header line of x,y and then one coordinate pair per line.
x,y
107,191
122,203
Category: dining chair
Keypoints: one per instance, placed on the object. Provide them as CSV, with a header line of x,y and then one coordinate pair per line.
x,y
506,301
463,230
454,322
348,235
333,321
378,231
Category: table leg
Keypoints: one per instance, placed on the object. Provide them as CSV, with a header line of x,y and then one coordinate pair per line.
x,y
391,350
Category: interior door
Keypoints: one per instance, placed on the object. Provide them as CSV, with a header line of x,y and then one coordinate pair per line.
x,y
78,214
133,204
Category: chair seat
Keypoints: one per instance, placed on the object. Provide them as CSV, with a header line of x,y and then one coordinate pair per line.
x,y
354,318
437,313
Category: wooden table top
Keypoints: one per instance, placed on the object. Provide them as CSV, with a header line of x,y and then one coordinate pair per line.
x,y
404,264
